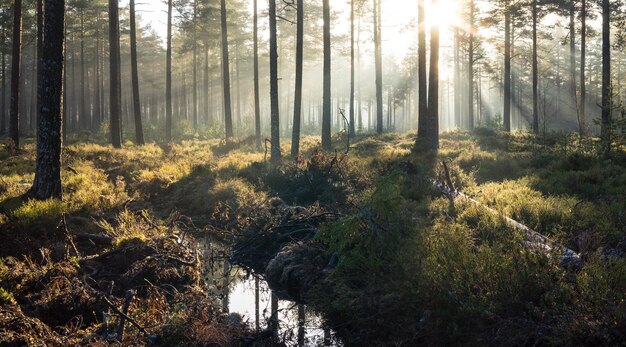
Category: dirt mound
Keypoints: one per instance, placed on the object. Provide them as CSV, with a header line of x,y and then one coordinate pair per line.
x,y
16,329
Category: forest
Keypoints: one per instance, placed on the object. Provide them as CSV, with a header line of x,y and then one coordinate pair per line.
x,y
313,173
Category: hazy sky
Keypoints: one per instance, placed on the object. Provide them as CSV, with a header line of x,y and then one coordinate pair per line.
x,y
397,17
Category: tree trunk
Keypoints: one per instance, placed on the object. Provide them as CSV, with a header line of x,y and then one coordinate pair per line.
x,y
297,109
3,105
135,76
507,68
379,67
275,115
14,121
433,87
606,79
457,78
40,30
470,69
257,101
572,56
422,127
97,110
168,76
352,127
114,80
228,113
47,183
535,72
583,51
195,68
326,113
206,103
84,119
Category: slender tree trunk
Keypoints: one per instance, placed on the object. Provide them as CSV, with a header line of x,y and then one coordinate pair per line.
x,y
135,73
168,76
40,30
114,80
535,72
326,113
507,67
14,121
297,109
572,52
433,87
3,105
379,67
583,51
275,116
195,68
606,79
206,83
228,113
457,78
352,127
470,68
84,119
257,99
422,127
97,114
47,183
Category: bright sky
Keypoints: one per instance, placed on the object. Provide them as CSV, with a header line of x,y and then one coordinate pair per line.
x,y
397,15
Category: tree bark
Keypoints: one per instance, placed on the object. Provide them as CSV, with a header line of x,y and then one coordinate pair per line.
x,y
433,87
326,103
168,76
114,79
275,115
379,68
135,76
535,72
14,121
257,101
47,183
422,131
228,113
470,68
507,67
583,52
195,68
352,72
605,135
297,109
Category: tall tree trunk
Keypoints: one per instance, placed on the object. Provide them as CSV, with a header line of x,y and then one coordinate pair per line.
x,y
583,51
606,79
352,130
422,126
3,105
535,72
14,121
195,68
206,83
457,77
470,68
97,110
326,103
572,54
228,112
433,87
168,76
84,119
297,109
135,76
114,79
257,101
379,67
40,30
47,183
275,115
507,67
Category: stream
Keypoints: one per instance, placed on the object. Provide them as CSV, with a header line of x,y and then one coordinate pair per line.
x,y
250,297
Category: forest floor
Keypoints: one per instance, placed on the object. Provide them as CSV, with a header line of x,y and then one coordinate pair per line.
x,y
380,252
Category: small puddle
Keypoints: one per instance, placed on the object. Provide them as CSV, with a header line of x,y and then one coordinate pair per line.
x,y
240,293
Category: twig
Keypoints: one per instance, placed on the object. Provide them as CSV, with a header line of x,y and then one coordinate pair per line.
x,y
130,294
126,317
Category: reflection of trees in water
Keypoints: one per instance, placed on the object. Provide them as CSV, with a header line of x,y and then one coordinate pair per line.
x,y
234,287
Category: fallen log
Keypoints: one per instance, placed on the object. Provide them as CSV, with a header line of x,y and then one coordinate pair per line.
x,y
534,240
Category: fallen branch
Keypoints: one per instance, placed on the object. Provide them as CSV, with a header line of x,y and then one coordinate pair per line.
x,y
534,240
126,317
